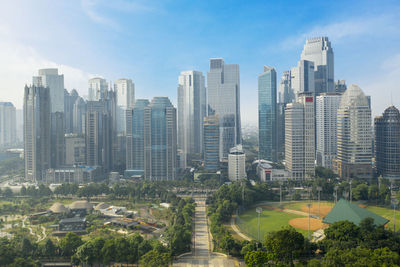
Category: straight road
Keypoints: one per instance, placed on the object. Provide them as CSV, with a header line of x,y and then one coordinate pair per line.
x,y
202,254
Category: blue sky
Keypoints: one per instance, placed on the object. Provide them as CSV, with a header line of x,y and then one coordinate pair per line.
x,y
152,41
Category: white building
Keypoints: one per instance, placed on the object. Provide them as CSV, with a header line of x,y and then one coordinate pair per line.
x,y
8,131
50,78
236,163
327,105
267,172
319,51
191,112
300,137
125,91
97,89
223,98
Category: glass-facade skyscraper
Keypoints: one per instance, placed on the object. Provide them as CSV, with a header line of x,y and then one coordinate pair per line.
x,y
223,97
267,127
211,143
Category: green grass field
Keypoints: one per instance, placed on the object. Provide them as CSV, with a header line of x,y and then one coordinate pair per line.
x,y
270,220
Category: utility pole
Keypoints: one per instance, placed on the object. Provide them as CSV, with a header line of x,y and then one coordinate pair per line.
x,y
336,189
319,188
280,192
350,191
309,206
394,202
258,210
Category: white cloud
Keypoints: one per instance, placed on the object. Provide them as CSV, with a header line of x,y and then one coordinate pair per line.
x,y
21,62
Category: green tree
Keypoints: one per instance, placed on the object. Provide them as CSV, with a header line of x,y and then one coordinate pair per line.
x,y
155,259
361,257
49,249
360,192
7,192
69,244
256,259
343,231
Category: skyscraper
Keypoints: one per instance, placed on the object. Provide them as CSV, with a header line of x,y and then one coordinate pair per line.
x,y
327,105
125,91
354,141
319,51
267,126
97,88
211,143
300,137
191,112
69,102
286,94
387,143
160,140
51,79
79,115
236,163
135,135
36,132
302,78
8,131
223,87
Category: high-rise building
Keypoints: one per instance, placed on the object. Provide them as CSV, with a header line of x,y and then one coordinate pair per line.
x,y
69,102
51,79
280,130
236,163
354,141
36,132
300,137
75,150
319,51
191,112
267,126
286,94
223,93
135,135
211,143
79,115
8,132
97,89
302,78
125,91
340,86
327,105
387,143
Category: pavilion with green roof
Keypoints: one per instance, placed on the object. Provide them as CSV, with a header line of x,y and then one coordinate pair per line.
x,y
346,211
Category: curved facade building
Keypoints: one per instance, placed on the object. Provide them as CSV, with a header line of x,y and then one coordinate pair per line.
x,y
387,143
354,140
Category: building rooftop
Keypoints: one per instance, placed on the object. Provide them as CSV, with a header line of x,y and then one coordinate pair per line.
x,y
58,208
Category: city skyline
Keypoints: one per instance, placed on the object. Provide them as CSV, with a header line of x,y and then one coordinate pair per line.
x,y
103,28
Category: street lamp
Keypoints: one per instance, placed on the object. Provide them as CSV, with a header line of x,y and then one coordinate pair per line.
x,y
258,210
350,191
280,192
336,189
319,188
309,206
395,202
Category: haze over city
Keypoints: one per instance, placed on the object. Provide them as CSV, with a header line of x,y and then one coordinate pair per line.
x,y
151,42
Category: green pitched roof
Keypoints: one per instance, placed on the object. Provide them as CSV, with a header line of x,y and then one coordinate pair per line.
x,y
346,211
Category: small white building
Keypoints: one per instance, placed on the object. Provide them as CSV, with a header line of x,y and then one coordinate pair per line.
x,y
236,163
268,173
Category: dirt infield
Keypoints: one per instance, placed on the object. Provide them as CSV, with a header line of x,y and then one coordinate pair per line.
x,y
302,223
324,209
271,208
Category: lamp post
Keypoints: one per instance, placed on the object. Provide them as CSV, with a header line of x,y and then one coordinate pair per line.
x,y
280,192
336,189
309,206
319,188
350,191
395,202
258,210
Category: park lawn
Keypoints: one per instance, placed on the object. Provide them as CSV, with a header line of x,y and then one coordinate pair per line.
x,y
270,220
386,213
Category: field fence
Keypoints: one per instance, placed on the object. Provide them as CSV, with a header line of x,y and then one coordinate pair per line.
x,y
243,227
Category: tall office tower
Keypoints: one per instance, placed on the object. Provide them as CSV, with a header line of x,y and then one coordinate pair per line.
x,y
125,91
354,141
340,86
69,102
302,78
211,143
267,126
75,150
327,105
191,112
300,137
236,163
280,131
135,136
50,78
286,94
100,132
19,122
160,140
36,132
79,116
7,124
223,87
97,89
319,51
387,143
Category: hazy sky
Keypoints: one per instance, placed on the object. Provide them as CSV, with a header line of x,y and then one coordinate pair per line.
x,y
152,41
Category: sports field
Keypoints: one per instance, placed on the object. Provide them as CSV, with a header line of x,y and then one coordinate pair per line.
x,y
275,216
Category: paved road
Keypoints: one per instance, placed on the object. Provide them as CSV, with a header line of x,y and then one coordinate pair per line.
x,y
201,252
